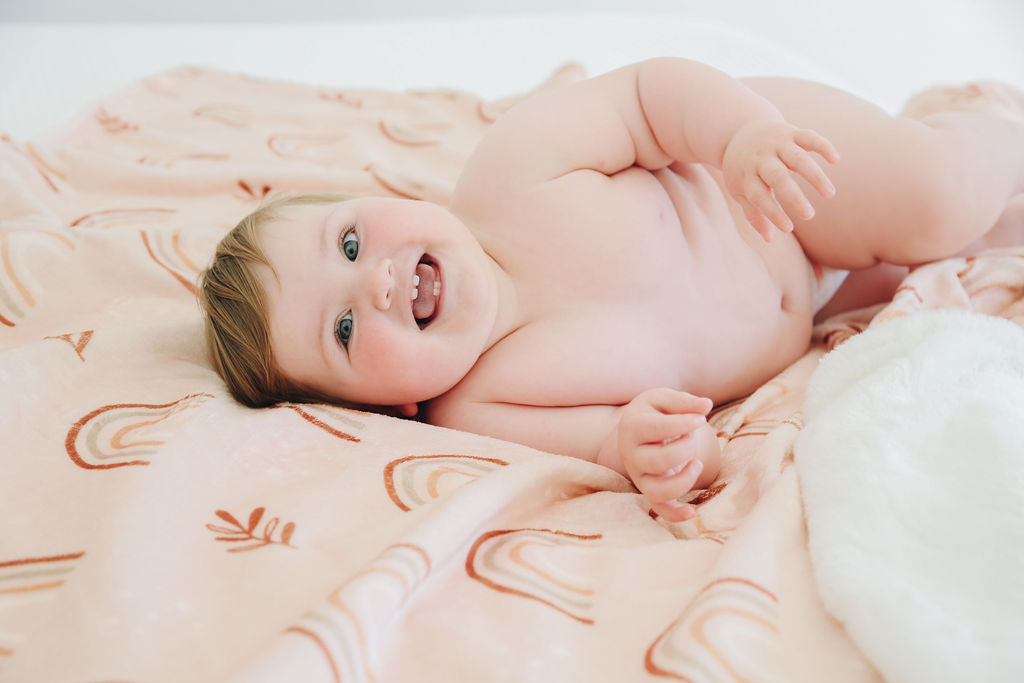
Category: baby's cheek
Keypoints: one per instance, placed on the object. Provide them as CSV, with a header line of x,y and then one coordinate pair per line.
x,y
386,357
401,361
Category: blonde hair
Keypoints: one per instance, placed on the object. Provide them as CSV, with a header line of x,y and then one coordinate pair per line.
x,y
237,325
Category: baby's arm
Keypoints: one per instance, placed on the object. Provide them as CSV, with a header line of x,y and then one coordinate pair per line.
x,y
653,114
660,440
699,114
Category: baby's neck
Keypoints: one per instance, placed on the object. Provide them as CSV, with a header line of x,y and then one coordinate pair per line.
x,y
509,317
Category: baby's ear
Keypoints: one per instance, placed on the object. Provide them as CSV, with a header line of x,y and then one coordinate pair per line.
x,y
408,409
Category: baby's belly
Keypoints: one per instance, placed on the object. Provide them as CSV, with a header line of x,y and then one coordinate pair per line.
x,y
757,306
746,348
784,258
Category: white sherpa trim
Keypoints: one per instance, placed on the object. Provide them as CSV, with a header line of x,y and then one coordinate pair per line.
x,y
911,465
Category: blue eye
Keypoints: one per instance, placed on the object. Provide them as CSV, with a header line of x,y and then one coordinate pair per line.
x,y
343,329
350,245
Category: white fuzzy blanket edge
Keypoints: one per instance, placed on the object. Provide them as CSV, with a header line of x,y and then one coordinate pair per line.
x,y
911,465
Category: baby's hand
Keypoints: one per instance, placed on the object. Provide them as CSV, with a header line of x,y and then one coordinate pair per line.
x,y
758,165
665,443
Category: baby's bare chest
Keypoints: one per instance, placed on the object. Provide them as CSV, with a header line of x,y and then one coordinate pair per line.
x,y
593,240
627,285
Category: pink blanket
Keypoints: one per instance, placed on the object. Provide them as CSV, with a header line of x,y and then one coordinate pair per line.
x,y
155,530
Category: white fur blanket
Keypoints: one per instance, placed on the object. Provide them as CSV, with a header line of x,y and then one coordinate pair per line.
x,y
911,465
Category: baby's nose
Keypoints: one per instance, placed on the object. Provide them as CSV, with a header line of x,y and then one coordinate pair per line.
x,y
382,284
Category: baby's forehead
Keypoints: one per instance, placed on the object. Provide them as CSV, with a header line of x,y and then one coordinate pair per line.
x,y
285,227
291,214
288,236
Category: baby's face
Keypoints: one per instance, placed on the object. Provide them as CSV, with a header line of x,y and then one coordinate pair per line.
x,y
381,301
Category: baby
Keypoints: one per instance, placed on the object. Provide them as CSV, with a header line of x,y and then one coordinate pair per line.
x,y
618,256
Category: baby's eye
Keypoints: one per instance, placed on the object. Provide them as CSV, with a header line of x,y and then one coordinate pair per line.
x,y
350,245
343,329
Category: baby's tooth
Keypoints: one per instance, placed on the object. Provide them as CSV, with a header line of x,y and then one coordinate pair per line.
x,y
415,280
415,293
437,287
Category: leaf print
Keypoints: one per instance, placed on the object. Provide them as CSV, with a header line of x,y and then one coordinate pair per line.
x,y
254,518
252,193
238,533
227,517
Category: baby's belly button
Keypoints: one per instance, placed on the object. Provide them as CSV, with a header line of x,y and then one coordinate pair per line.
x,y
797,298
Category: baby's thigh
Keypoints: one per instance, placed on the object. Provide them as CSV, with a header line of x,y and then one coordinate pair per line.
x,y
881,196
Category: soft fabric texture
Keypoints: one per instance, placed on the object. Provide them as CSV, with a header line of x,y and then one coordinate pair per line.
x,y
912,467
155,530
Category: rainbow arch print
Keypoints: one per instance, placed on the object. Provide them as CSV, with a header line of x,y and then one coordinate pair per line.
x,y
166,251
18,290
106,219
230,115
414,133
319,148
727,632
416,480
48,171
28,580
351,628
334,420
532,564
124,434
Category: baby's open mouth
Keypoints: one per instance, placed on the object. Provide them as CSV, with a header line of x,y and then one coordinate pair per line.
x,y
426,291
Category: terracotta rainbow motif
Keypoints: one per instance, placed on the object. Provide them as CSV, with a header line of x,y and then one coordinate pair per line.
x,y
50,174
359,614
334,420
124,434
318,148
165,249
726,633
28,580
19,249
106,219
418,479
530,563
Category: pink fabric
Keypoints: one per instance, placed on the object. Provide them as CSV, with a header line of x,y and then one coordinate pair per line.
x,y
155,530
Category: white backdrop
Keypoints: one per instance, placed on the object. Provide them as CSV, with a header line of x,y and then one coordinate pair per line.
x,y
72,51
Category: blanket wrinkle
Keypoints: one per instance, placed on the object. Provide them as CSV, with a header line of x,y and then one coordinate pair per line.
x,y
156,530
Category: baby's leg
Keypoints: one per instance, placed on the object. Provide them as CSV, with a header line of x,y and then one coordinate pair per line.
x,y
984,97
987,97
908,191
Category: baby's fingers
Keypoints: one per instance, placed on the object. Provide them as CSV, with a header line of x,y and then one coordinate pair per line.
x,y
801,163
663,459
815,142
669,488
674,510
761,198
671,401
658,428
757,219
787,193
